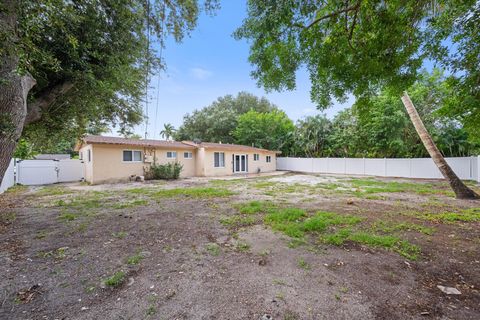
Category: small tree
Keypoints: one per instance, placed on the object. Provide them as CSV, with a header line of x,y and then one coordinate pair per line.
x,y
168,131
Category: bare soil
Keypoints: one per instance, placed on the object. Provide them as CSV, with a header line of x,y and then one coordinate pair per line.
x,y
52,268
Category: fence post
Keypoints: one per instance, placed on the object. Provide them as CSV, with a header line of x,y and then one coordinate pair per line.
x,y
478,169
385,167
363,165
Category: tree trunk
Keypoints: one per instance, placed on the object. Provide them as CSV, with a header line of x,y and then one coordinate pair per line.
x,y
14,88
460,189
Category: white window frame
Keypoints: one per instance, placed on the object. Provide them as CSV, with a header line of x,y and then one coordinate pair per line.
x,y
268,159
219,162
133,158
173,154
256,157
189,155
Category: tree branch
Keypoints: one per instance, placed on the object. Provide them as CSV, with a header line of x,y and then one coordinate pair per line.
x,y
330,15
46,99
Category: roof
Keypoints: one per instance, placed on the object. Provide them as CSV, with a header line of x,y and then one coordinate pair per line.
x,y
227,146
169,144
135,142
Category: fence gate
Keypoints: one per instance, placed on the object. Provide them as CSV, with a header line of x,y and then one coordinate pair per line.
x,y
35,172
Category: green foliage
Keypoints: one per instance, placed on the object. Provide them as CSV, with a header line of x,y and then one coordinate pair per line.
x,y
255,206
466,215
360,47
169,171
268,130
116,280
24,150
96,49
213,248
217,122
135,259
168,131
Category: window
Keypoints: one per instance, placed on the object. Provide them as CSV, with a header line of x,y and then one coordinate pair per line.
x,y
80,155
171,154
269,158
132,156
89,154
219,159
187,155
256,157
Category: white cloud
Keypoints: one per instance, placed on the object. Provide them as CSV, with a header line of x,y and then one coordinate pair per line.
x,y
200,73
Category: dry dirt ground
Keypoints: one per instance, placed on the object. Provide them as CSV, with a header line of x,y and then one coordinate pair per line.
x,y
283,247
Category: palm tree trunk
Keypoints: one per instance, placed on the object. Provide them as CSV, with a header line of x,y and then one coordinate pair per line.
x,y
460,189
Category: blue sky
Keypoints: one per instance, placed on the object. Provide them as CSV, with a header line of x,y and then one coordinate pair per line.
x,y
211,63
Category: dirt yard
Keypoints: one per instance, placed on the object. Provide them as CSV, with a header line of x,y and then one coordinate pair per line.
x,y
283,247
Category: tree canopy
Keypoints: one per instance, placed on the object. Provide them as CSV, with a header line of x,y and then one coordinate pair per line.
x,y
269,130
217,121
361,47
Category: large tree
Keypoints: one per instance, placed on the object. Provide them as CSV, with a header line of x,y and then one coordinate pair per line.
x,y
217,121
358,47
73,64
268,130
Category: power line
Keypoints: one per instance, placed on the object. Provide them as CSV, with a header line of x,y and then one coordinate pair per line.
x,y
148,68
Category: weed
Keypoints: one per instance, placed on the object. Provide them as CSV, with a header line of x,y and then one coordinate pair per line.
x,y
119,235
279,282
213,249
135,259
67,216
7,218
242,246
343,289
131,204
90,289
466,215
151,310
253,207
54,191
295,243
41,234
194,192
280,296
403,226
145,191
116,280
303,264
18,188
238,221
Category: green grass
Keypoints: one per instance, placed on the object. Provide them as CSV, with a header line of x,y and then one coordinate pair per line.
x,y
253,207
403,226
67,216
368,186
213,249
131,204
54,191
135,259
238,221
7,217
303,264
198,192
116,280
393,243
294,222
145,191
466,215
242,247
119,235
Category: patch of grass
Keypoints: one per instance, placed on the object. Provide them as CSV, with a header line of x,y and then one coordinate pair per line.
x,y
54,191
119,235
265,184
67,216
198,192
238,221
116,280
321,220
18,188
145,191
393,243
368,186
7,217
466,215
135,259
131,204
242,247
253,207
41,234
213,248
151,311
403,226
303,264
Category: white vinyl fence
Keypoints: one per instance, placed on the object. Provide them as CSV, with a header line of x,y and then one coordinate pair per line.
x,y
36,172
9,177
467,168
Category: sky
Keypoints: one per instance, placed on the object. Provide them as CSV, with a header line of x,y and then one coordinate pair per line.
x,y
209,64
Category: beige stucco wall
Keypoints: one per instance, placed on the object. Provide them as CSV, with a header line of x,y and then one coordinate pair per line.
x,y
253,166
107,163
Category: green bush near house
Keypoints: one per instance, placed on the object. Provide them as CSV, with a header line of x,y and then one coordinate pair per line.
x,y
169,171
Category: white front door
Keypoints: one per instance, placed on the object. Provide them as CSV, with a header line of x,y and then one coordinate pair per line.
x,y
240,163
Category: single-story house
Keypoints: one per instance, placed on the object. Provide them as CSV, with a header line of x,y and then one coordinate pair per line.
x,y
109,159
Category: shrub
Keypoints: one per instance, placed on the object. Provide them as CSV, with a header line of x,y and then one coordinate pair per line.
x,y
167,171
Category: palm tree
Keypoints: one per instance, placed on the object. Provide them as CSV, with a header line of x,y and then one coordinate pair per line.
x,y
168,131
460,189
